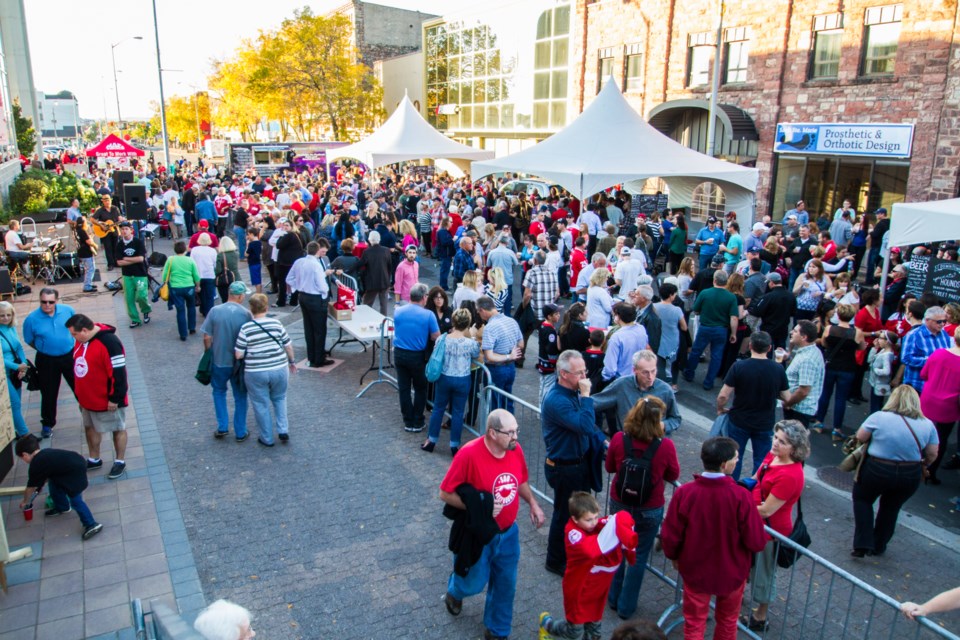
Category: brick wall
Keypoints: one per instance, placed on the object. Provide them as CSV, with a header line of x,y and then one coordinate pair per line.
x,y
924,90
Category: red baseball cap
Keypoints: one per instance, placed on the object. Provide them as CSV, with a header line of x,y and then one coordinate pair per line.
x,y
203,224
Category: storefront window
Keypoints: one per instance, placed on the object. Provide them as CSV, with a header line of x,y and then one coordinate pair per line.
x,y
789,187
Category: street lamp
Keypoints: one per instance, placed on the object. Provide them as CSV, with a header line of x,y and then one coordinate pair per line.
x,y
163,107
113,58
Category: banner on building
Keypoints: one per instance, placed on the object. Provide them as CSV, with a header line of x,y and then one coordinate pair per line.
x,y
836,139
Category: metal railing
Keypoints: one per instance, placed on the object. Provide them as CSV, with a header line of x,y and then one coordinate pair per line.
x,y
163,623
815,598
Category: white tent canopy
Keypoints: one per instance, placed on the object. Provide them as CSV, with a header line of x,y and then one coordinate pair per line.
x,y
610,143
406,136
920,222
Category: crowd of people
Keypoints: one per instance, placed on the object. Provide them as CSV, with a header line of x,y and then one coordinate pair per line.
x,y
623,305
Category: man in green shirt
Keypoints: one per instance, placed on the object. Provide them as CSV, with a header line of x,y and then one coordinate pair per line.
x,y
718,323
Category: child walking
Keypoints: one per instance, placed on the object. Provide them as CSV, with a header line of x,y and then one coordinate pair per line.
x,y
881,359
595,548
253,259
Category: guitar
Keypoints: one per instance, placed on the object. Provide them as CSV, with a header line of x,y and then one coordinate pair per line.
x,y
103,229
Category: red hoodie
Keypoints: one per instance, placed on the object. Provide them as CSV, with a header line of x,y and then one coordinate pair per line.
x,y
99,370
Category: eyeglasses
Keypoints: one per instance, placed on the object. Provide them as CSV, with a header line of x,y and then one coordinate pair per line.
x,y
940,321
510,434
581,372
48,302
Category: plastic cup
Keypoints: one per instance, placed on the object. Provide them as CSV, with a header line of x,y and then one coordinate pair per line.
x,y
28,512
780,354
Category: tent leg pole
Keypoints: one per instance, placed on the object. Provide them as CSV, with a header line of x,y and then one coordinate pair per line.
x,y
883,274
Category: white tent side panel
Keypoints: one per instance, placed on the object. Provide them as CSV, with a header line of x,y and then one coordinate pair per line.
x,y
920,222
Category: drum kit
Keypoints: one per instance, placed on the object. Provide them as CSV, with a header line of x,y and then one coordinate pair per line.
x,y
48,255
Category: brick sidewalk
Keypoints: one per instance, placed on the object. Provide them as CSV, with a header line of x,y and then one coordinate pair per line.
x,y
82,589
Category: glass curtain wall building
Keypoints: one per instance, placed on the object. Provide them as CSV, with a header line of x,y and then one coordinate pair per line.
x,y
497,81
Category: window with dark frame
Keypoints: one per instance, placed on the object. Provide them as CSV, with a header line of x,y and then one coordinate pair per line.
x,y
737,49
604,66
633,68
827,46
881,39
699,49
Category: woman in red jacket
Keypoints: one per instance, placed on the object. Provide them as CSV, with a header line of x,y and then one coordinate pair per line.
x,y
644,426
778,488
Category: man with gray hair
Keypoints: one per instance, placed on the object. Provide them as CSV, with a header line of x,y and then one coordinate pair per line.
x,y
624,392
569,431
413,328
224,620
642,298
376,266
719,318
920,343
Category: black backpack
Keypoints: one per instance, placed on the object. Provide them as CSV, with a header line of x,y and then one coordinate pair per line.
x,y
634,482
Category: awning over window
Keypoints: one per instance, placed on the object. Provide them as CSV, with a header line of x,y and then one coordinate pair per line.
x,y
737,123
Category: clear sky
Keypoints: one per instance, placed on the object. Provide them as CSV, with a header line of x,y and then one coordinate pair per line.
x,y
70,44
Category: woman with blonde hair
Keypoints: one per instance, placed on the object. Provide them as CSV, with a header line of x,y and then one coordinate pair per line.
x,y
467,289
409,235
496,288
227,257
14,363
599,300
901,442
685,275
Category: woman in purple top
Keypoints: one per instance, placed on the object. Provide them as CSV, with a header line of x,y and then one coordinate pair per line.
x,y
938,400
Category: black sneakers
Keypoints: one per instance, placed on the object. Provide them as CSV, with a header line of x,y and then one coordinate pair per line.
x,y
454,606
55,512
92,530
93,465
117,470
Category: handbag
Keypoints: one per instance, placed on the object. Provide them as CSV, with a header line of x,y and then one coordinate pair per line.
x,y
236,375
226,277
16,380
164,291
799,535
856,453
204,373
435,363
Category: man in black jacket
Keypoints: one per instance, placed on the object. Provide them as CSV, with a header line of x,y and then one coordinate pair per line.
x,y
376,266
775,309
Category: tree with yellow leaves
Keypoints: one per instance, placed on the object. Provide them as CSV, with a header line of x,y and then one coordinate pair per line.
x,y
184,115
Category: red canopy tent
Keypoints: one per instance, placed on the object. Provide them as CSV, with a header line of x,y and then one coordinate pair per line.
x,y
114,147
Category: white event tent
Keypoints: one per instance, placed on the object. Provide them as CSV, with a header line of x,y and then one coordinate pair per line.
x,y
610,143
919,223
406,136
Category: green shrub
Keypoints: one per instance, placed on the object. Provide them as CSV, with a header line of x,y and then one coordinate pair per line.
x,y
28,196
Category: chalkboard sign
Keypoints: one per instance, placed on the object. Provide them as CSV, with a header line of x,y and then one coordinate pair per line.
x,y
945,280
941,277
241,158
643,203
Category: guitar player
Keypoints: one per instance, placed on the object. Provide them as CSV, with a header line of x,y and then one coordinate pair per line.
x,y
107,219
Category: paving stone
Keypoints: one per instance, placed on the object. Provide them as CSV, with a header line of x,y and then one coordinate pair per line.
x,y
61,607
107,596
107,619
63,629
143,566
13,618
103,575
61,585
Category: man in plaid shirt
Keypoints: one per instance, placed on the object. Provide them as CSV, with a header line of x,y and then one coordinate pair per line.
x,y
920,343
541,285
804,374
463,261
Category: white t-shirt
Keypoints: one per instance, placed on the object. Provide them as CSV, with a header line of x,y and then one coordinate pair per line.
x,y
627,273
12,241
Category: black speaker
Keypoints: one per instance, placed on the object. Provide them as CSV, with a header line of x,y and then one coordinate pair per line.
x,y
121,178
6,284
135,201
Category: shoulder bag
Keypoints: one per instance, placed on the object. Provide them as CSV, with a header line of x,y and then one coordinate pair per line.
x,y
856,453
786,556
226,277
30,375
164,291
435,363
926,471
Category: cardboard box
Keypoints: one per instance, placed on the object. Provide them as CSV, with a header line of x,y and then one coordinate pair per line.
x,y
340,314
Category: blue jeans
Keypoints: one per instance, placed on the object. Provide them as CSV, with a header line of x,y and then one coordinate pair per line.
x,y
716,337
705,260
872,257
449,391
266,388
445,272
508,303
625,588
185,301
241,235
63,502
208,295
19,424
502,377
220,378
760,440
497,571
89,268
843,380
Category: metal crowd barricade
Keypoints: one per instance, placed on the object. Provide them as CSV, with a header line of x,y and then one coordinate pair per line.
x,y
815,598
348,281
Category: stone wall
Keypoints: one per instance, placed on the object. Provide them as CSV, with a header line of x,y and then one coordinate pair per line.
x,y
384,32
924,90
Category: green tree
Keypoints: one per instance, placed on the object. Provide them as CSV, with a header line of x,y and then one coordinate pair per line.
x,y
26,134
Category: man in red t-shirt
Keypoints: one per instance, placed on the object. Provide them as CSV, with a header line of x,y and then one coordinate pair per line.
x,y
495,466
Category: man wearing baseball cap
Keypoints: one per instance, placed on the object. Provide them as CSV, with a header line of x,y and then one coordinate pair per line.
x,y
709,239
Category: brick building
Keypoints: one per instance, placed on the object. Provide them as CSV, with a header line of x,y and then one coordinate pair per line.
x,y
824,67
381,32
